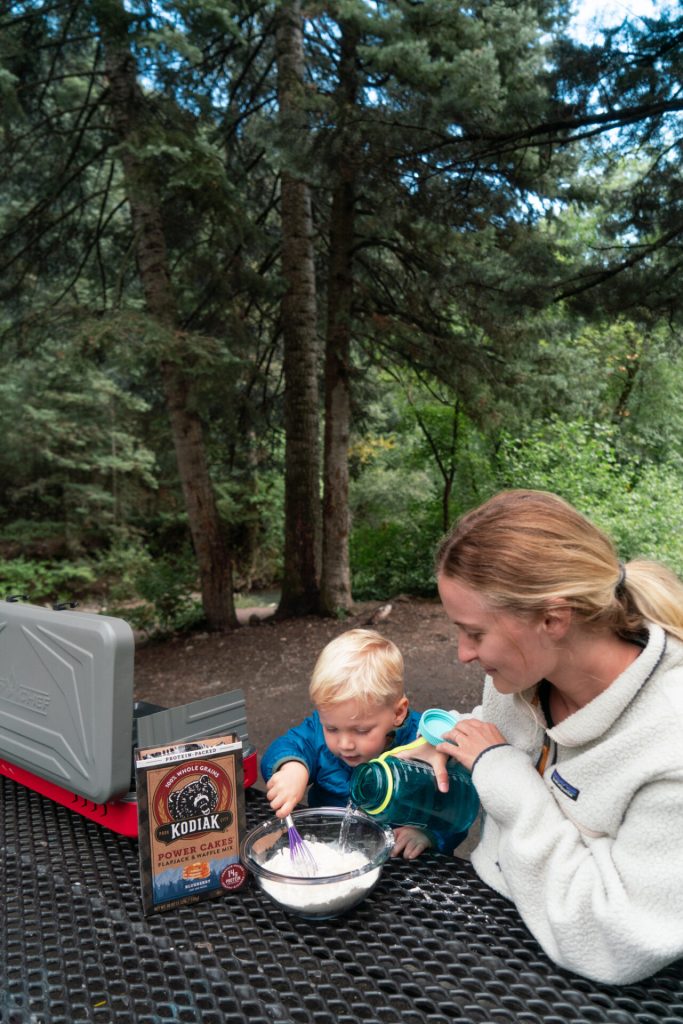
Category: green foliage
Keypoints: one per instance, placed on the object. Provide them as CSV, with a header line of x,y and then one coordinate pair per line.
x,y
647,521
384,492
31,532
639,505
393,558
118,566
395,508
252,509
576,459
168,584
73,438
42,581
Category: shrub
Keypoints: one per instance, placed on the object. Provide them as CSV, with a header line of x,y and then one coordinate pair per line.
x,y
168,583
639,504
42,581
393,558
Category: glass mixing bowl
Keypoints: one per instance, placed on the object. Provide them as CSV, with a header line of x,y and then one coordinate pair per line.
x,y
324,895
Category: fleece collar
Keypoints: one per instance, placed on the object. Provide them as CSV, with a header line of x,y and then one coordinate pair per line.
x,y
590,722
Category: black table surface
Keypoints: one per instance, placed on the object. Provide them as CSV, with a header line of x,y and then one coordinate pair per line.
x,y
432,943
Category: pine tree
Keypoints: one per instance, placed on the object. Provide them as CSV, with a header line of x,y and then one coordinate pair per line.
x,y
301,572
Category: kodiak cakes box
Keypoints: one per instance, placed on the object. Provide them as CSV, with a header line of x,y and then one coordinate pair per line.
x,y
191,820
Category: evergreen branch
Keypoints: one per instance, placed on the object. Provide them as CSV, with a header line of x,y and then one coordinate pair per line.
x,y
273,198
59,45
505,145
38,128
77,75
637,255
40,207
247,65
102,225
603,122
47,9
86,112
100,230
446,472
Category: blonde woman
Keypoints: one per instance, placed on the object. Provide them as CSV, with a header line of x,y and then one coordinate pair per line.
x,y
577,748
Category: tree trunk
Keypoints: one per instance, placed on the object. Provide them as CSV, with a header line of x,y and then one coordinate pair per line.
x,y
127,104
336,574
300,582
208,538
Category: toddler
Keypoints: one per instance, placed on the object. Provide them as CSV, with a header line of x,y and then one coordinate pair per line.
x,y
361,710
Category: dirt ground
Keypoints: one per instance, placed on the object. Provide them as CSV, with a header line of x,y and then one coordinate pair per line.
x,y
272,662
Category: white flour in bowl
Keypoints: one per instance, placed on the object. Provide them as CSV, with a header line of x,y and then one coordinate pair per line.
x,y
323,897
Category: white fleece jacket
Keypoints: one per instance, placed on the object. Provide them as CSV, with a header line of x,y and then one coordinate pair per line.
x,y
591,853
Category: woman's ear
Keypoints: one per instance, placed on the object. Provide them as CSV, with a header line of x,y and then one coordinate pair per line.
x,y
557,618
400,708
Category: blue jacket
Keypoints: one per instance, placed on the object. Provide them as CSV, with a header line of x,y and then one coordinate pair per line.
x,y
330,777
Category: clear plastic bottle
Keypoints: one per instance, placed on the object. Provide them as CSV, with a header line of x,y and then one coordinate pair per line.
x,y
396,791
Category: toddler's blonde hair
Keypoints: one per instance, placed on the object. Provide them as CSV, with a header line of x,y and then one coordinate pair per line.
x,y
358,665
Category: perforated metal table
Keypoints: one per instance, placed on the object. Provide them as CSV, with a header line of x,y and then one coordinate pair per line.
x,y
431,945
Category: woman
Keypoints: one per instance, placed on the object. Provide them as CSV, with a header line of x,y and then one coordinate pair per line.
x,y
577,749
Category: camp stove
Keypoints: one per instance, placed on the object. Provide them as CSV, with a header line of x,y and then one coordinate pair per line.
x,y
68,723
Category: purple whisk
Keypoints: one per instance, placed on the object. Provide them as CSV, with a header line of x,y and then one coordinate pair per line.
x,y
300,852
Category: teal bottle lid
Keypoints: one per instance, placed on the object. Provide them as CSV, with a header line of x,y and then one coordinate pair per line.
x,y
434,723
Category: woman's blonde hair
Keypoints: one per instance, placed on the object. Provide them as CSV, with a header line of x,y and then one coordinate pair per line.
x,y
358,665
524,549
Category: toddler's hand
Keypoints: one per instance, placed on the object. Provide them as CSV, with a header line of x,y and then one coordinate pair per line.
x,y
286,787
410,842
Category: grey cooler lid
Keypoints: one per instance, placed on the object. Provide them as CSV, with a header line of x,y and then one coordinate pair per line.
x,y
209,716
66,697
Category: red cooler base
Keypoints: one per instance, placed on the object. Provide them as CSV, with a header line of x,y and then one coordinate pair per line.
x,y
118,815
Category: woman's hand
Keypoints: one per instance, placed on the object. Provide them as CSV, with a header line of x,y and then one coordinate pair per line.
x,y
464,742
410,842
426,752
287,787
468,739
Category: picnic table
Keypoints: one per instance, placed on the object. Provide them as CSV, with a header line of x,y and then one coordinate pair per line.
x,y
431,944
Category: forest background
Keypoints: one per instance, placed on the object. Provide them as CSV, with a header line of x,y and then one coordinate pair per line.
x,y
287,287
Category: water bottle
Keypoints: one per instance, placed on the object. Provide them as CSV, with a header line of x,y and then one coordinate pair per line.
x,y
400,792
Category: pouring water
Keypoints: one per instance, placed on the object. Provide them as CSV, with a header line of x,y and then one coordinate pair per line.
x,y
346,824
